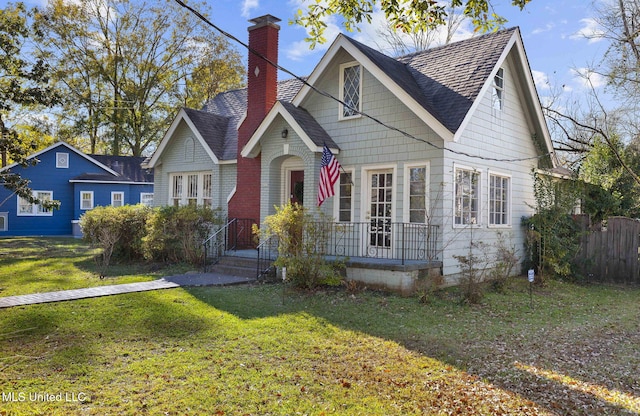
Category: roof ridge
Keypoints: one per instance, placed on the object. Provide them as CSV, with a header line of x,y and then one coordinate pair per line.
x,y
457,43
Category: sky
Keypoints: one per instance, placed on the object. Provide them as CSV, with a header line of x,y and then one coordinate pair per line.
x,y
556,35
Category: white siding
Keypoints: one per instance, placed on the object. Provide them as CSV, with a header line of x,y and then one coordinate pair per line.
x,y
492,134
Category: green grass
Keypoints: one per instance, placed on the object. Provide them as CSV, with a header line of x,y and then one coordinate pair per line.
x,y
34,265
258,350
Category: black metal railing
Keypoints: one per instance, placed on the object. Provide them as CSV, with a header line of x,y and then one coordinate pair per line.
x,y
267,255
235,233
400,242
381,239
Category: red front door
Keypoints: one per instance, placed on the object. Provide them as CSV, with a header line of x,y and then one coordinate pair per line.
x,y
296,186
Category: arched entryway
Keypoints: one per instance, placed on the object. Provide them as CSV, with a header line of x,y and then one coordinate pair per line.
x,y
293,180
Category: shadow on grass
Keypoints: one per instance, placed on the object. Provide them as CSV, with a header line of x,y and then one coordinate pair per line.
x,y
425,329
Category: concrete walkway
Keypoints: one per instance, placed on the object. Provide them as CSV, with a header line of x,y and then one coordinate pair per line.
x,y
191,279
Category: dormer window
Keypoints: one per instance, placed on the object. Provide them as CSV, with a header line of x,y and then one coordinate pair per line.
x,y
498,90
350,90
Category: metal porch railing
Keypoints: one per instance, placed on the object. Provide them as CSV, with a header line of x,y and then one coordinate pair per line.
x,y
235,233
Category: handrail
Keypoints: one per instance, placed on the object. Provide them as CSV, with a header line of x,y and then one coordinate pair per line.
x,y
267,254
213,243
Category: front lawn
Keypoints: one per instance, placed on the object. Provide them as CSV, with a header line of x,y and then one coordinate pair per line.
x,y
34,265
258,350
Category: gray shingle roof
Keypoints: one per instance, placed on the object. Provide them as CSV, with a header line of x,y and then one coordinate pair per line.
x,y
445,81
129,167
311,127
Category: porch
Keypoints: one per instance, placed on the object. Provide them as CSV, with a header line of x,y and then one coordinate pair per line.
x,y
376,253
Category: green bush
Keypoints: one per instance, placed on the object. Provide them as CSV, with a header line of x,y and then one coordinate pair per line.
x,y
302,239
176,234
118,231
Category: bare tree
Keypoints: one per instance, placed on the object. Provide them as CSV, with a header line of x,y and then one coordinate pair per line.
x,y
402,43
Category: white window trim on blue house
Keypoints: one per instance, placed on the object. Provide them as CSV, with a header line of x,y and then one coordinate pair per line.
x,y
115,201
4,221
146,198
27,209
82,200
62,160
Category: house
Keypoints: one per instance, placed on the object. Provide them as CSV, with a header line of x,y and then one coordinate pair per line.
x,y
80,182
437,149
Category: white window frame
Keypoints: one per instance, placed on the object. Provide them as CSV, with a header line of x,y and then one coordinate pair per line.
x,y
497,92
339,197
478,212
190,192
35,210
4,226
342,108
508,201
62,160
91,200
406,215
113,200
146,198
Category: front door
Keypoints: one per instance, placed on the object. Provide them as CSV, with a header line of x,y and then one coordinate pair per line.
x,y
296,186
379,222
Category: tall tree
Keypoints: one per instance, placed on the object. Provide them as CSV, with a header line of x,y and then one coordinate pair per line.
x,y
410,16
23,84
403,43
127,66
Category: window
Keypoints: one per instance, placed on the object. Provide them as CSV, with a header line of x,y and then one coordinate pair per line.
x,y
416,199
117,199
191,189
351,88
466,194
86,200
207,190
498,90
4,221
146,198
176,190
26,208
345,197
62,160
499,199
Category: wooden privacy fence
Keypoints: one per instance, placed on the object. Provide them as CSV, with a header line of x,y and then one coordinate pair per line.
x,y
610,254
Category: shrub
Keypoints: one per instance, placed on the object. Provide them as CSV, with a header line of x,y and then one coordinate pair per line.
x,y
505,264
117,230
302,239
176,234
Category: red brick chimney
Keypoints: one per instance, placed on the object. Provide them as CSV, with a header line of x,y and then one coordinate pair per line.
x,y
262,89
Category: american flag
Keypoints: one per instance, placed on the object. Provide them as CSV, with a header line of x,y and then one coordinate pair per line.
x,y
329,174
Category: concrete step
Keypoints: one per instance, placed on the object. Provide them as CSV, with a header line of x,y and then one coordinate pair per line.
x,y
235,266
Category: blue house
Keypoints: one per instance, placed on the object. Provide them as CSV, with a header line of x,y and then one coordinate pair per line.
x,y
80,182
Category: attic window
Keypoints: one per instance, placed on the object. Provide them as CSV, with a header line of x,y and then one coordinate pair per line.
x,y
350,90
498,90
62,160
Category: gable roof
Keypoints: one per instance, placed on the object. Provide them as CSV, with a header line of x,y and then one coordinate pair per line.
x,y
216,125
68,147
440,85
309,130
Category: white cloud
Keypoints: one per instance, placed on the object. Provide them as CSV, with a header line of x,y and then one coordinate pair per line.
x,y
546,28
586,78
541,80
590,30
248,6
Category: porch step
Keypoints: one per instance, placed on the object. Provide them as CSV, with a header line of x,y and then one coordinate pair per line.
x,y
236,266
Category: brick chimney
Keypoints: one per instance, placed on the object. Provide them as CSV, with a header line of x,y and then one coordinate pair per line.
x,y
262,90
